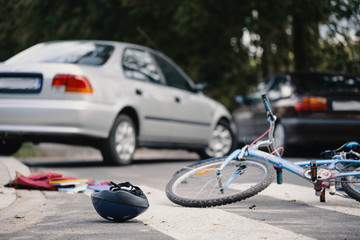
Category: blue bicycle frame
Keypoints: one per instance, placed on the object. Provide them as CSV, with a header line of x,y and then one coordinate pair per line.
x,y
300,168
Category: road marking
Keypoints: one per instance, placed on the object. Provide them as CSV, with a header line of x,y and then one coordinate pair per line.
x,y
210,223
291,192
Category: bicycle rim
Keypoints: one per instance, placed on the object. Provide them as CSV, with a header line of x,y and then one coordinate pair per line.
x,y
197,184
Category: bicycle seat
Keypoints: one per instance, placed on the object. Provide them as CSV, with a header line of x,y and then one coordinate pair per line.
x,y
344,148
348,146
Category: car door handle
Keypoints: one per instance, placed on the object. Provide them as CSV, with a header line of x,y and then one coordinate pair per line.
x,y
138,92
177,99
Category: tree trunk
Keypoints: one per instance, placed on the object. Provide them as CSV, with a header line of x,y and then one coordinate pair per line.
x,y
299,40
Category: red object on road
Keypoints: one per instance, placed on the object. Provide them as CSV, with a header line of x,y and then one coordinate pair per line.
x,y
38,181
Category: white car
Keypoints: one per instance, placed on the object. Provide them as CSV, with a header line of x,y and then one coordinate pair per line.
x,y
110,95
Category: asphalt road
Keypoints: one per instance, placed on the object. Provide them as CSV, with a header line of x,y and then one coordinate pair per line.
x,y
287,211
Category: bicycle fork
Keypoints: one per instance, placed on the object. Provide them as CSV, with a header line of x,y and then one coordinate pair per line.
x,y
237,154
239,171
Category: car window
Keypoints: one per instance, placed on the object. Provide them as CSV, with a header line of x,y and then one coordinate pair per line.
x,y
328,82
138,64
84,53
280,88
172,76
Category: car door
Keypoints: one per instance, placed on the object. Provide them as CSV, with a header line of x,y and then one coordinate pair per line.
x,y
191,110
145,87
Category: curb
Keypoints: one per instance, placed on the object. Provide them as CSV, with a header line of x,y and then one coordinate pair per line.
x,y
8,168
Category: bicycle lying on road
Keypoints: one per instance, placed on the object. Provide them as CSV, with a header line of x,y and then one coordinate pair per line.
x,y
249,170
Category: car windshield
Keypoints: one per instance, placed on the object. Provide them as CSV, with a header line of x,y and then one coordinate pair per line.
x,y
85,53
328,83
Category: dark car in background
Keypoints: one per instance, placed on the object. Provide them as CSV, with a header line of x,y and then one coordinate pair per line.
x,y
320,110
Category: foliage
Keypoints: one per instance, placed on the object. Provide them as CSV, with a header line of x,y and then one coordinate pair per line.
x,y
229,44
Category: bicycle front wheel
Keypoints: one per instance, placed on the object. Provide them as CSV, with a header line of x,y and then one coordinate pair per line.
x,y
197,185
351,186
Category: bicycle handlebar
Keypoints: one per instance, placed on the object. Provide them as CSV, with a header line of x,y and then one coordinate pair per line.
x,y
267,107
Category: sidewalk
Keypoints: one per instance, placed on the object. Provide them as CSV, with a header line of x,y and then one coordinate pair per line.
x,y
8,168
9,165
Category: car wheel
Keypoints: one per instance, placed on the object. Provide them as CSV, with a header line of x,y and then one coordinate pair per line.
x,y
119,147
9,147
280,136
222,141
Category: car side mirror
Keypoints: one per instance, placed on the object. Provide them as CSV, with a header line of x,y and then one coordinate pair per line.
x,y
243,100
239,99
200,86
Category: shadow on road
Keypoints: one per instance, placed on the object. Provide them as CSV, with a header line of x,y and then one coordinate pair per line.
x,y
93,163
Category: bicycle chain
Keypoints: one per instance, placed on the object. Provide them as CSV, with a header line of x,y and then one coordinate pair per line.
x,y
341,181
350,181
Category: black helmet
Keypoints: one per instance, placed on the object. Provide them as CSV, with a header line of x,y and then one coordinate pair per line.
x,y
119,204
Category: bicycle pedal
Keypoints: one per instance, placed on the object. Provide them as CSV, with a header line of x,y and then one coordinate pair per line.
x,y
321,194
313,171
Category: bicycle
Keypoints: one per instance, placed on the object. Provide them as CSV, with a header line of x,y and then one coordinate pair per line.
x,y
249,170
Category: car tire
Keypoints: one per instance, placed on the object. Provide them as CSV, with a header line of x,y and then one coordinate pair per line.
x,y
222,142
119,147
279,135
9,147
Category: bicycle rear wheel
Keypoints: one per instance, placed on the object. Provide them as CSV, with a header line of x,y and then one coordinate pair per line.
x,y
197,186
351,186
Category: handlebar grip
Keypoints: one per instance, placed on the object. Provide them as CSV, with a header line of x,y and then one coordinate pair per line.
x,y
266,102
267,107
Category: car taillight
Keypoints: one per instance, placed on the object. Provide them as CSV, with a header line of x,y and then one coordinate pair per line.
x,y
311,104
72,83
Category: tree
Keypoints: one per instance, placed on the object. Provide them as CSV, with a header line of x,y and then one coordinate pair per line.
x,y
229,44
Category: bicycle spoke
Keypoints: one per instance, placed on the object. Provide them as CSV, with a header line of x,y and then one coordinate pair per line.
x,y
199,183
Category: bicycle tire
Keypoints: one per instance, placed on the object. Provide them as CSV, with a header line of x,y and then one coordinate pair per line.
x,y
196,185
351,187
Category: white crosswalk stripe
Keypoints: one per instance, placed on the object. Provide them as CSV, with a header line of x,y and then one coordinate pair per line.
x,y
289,192
210,223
